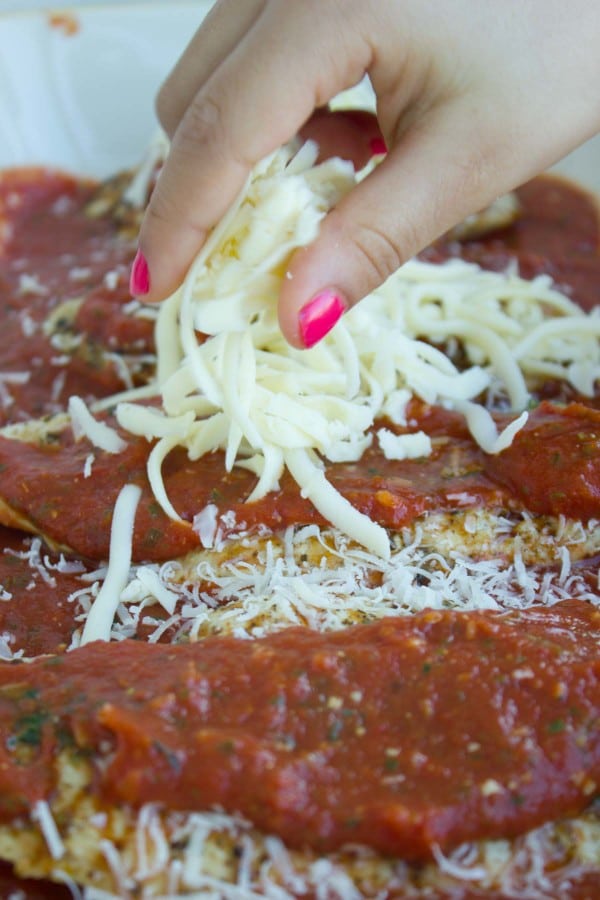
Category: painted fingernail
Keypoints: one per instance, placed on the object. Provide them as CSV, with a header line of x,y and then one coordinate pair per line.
x,y
319,315
139,281
378,146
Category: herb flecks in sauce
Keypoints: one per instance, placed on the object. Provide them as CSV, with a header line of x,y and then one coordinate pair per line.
x,y
315,731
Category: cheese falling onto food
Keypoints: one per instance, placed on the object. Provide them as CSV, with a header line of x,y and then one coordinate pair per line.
x,y
268,406
99,621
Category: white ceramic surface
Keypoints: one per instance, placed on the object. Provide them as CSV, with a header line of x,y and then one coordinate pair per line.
x,y
84,101
21,5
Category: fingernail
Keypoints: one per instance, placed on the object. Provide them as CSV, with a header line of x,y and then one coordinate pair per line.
x,y
319,315
378,146
139,281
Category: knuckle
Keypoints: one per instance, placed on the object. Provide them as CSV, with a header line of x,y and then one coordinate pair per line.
x,y
166,210
202,124
160,218
160,211
379,252
474,181
207,126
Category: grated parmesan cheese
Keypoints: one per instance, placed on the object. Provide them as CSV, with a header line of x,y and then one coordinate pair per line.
x,y
212,854
87,466
147,582
30,284
111,280
6,378
249,587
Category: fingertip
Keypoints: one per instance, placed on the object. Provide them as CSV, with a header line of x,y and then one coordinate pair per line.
x,y
139,278
165,253
318,316
399,208
312,300
154,277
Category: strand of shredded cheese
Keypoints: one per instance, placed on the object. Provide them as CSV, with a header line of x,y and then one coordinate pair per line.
x,y
98,433
100,618
42,815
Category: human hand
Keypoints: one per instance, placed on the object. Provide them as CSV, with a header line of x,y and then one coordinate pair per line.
x,y
472,98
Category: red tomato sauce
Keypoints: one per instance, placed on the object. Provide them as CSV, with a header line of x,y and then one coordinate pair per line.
x,y
549,469
286,756
432,729
50,231
51,251
35,612
557,233
39,605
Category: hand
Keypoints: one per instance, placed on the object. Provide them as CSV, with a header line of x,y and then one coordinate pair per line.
x,y
473,98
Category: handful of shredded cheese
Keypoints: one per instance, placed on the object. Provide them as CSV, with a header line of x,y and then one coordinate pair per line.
x,y
229,380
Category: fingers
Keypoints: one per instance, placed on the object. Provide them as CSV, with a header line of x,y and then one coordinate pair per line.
x,y
437,174
463,131
224,26
231,124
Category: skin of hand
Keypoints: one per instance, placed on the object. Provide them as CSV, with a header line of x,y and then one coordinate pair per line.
x,y
473,98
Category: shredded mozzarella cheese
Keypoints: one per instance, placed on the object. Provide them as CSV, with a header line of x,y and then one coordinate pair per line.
x,y
42,815
100,617
99,434
404,446
268,406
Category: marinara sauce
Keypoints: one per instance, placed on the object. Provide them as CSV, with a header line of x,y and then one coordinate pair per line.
x,y
407,733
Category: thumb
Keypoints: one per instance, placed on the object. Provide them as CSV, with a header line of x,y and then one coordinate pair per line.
x,y
438,173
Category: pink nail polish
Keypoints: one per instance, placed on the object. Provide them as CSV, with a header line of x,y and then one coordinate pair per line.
x,y
139,281
378,146
319,315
